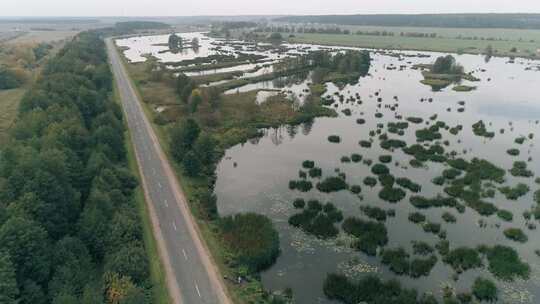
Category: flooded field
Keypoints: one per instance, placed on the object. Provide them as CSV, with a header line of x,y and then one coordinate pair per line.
x,y
254,177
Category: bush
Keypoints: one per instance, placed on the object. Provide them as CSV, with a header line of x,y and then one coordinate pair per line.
x,y
253,239
397,259
332,184
484,290
300,185
379,169
408,184
356,158
415,120
370,181
8,79
369,234
422,248
514,193
316,222
375,213
505,263
422,267
365,144
308,164
417,217
515,234
451,173
387,180
520,169
463,258
315,172
356,189
505,215
449,217
513,152
391,194
479,129
431,227
385,159
345,159
334,139
299,203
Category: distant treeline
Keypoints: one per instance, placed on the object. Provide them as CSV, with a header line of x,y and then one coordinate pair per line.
x,y
517,21
67,20
339,31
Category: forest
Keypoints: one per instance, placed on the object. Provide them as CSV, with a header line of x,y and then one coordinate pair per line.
x,y
69,227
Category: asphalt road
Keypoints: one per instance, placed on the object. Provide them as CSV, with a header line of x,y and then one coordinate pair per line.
x,y
191,276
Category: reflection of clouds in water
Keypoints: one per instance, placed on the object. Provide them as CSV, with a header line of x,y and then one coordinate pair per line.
x,y
517,110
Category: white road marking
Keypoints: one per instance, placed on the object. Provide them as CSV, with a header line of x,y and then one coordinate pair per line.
x,y
166,203
198,292
174,226
185,255
154,171
159,185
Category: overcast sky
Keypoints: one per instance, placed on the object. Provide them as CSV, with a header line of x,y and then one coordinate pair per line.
x,y
267,7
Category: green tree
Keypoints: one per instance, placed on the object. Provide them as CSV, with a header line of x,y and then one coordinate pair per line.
x,y
205,149
9,291
182,137
129,260
28,245
191,164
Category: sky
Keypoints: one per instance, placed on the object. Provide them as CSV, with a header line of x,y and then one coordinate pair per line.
x,y
17,8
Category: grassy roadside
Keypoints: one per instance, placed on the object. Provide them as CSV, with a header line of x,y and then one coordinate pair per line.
x,y
160,294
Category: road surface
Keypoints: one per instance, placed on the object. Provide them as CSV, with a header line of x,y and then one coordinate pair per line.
x,y
191,275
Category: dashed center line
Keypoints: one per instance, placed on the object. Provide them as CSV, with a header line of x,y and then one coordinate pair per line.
x,y
166,203
159,185
198,291
174,226
185,255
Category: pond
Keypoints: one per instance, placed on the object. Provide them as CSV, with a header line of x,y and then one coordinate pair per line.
x,y
254,177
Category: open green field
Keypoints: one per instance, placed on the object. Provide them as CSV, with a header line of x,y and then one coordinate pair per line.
x,y
443,44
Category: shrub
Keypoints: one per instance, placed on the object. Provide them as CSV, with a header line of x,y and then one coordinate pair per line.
x,y
365,144
422,248
415,120
431,227
391,194
449,217
516,192
484,290
360,121
253,239
505,215
332,184
479,129
370,181
513,152
315,172
515,234
417,217
334,139
299,203
408,184
308,164
505,263
300,185
312,221
429,134
520,140
375,213
356,158
369,234
520,169
422,267
393,143
385,159
356,189
387,180
439,180
463,258
451,173
379,169
397,259
345,159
